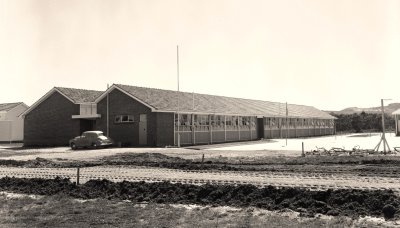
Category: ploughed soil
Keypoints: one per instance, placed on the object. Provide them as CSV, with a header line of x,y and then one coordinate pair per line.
x,y
353,203
380,163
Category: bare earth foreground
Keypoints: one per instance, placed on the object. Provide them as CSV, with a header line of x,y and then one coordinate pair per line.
x,y
319,176
314,181
57,211
260,163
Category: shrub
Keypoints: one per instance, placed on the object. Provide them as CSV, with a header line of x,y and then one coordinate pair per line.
x,y
388,211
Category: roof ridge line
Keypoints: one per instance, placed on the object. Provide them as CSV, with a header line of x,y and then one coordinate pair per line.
x,y
224,96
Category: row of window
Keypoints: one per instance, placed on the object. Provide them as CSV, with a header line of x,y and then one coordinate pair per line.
x,y
214,120
221,121
298,122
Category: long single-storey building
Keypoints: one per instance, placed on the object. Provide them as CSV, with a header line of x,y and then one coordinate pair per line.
x,y
138,116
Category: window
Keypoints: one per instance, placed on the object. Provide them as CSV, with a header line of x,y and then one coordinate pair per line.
x,y
228,120
235,120
270,122
123,118
201,120
231,122
217,120
246,122
88,109
253,122
184,123
184,120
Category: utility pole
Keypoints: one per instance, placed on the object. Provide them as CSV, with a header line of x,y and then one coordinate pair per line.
x,y
383,138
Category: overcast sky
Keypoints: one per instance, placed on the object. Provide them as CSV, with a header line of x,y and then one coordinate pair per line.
x,y
328,54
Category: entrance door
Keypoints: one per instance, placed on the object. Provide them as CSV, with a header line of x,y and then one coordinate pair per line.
x,y
86,125
143,129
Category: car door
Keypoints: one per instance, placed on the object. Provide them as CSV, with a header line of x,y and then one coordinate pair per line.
x,y
90,139
83,140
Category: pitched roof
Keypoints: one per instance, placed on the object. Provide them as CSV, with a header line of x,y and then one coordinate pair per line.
x,y
167,100
8,106
80,95
76,96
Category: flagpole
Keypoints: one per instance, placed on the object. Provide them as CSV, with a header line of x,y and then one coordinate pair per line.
x,y
177,74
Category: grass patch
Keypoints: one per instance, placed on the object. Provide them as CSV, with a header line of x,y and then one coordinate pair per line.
x,y
64,211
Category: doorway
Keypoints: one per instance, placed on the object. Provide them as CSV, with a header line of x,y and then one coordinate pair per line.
x,y
86,125
143,129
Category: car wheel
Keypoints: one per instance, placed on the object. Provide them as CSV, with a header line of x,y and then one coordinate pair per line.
x,y
73,146
94,145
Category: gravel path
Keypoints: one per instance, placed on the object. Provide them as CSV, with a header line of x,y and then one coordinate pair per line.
x,y
314,181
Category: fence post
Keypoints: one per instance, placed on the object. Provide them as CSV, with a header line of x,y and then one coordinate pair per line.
x,y
77,176
302,150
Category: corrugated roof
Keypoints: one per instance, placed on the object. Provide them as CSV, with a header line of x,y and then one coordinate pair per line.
x,y
167,100
9,106
80,95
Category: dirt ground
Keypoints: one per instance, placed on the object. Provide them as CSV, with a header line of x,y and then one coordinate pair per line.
x,y
20,210
221,165
346,202
17,153
259,163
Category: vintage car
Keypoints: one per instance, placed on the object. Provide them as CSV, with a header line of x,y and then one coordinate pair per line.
x,y
92,139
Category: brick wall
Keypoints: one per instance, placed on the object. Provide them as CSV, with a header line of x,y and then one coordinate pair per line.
x,y
125,133
50,123
165,129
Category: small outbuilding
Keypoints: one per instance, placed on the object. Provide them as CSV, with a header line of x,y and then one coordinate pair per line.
x,y
11,126
396,115
138,116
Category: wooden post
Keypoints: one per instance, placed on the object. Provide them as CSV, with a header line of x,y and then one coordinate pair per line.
x,y
193,131
77,176
210,126
11,131
174,129
238,126
225,126
251,130
302,149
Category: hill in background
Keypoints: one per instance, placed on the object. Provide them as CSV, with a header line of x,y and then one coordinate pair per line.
x,y
388,109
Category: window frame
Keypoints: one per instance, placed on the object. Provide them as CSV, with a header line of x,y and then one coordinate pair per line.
x,y
129,119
